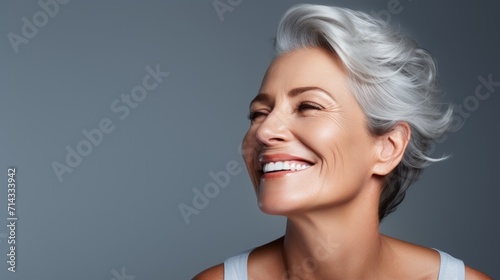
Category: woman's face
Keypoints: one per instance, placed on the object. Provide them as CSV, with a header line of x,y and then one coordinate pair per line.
x,y
308,146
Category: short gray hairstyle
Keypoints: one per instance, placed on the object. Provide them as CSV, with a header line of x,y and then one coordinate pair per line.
x,y
392,79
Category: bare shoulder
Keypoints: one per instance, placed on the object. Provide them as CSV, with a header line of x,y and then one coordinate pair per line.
x,y
472,274
427,259
215,272
265,261
262,262
410,260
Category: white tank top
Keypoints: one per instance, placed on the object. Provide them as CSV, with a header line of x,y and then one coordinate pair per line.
x,y
235,268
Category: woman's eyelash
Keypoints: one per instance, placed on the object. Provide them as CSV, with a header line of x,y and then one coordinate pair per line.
x,y
252,115
301,107
306,105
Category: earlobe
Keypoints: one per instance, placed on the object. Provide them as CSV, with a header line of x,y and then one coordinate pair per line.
x,y
390,148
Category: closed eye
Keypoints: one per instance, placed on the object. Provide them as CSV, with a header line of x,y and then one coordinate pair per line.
x,y
308,106
254,115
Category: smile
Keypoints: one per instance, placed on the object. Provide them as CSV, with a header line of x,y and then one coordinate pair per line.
x,y
284,166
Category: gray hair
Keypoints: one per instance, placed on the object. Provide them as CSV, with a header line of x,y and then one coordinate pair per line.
x,y
392,79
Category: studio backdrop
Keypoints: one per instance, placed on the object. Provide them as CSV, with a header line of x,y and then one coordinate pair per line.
x,y
121,124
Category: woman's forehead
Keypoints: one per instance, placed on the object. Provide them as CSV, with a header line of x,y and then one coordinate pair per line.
x,y
306,67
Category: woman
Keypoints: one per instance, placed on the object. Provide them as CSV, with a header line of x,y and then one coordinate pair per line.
x,y
339,130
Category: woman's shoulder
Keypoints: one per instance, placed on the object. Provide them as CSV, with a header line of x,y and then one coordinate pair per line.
x,y
416,260
262,262
472,274
215,272
424,260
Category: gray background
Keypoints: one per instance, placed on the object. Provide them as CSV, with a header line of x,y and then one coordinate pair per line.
x,y
118,209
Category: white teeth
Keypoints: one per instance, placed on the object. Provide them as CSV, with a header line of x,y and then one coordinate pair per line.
x,y
286,165
266,168
269,167
278,165
283,165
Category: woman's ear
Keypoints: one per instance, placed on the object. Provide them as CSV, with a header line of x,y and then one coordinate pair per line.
x,y
390,148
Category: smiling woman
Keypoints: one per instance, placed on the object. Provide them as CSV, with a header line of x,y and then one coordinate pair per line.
x,y
339,130
306,116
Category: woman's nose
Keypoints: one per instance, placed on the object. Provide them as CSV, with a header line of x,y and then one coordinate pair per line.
x,y
274,129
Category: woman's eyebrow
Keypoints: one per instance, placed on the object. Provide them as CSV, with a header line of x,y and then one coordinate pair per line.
x,y
296,91
265,98
261,97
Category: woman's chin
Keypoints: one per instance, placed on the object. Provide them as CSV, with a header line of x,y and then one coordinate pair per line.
x,y
278,206
273,209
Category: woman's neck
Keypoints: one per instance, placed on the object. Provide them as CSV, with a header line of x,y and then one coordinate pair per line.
x,y
336,243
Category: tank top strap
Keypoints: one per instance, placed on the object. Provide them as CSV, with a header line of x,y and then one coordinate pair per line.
x,y
235,268
450,268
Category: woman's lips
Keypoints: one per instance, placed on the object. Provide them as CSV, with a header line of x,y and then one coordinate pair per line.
x,y
279,165
283,168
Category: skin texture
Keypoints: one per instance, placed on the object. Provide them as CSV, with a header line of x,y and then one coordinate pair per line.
x,y
305,111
